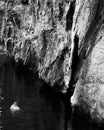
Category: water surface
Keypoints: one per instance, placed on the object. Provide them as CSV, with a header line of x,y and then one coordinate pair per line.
x,y
42,108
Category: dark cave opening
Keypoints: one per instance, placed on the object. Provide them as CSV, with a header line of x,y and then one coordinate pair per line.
x,y
69,16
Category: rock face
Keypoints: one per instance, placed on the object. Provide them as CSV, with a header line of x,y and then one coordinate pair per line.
x,y
89,89
40,33
62,40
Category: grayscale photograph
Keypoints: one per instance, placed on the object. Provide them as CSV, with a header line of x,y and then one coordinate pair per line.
x,y
51,65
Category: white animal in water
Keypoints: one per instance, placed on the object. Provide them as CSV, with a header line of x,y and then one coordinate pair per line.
x,y
15,108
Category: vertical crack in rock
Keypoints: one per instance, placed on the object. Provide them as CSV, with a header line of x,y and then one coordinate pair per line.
x,y
45,42
61,40
42,30
74,65
75,58
61,11
69,16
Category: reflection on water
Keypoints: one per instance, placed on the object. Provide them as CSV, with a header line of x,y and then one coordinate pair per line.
x,y
41,107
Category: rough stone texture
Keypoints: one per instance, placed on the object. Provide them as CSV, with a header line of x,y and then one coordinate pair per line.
x,y
41,37
62,40
89,89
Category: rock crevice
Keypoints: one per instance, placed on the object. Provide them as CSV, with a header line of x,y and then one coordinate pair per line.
x,y
63,42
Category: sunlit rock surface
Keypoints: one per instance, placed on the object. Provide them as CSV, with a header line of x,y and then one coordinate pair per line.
x,y
88,95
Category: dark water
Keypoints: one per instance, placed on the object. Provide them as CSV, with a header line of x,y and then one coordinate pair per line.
x,y
41,107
